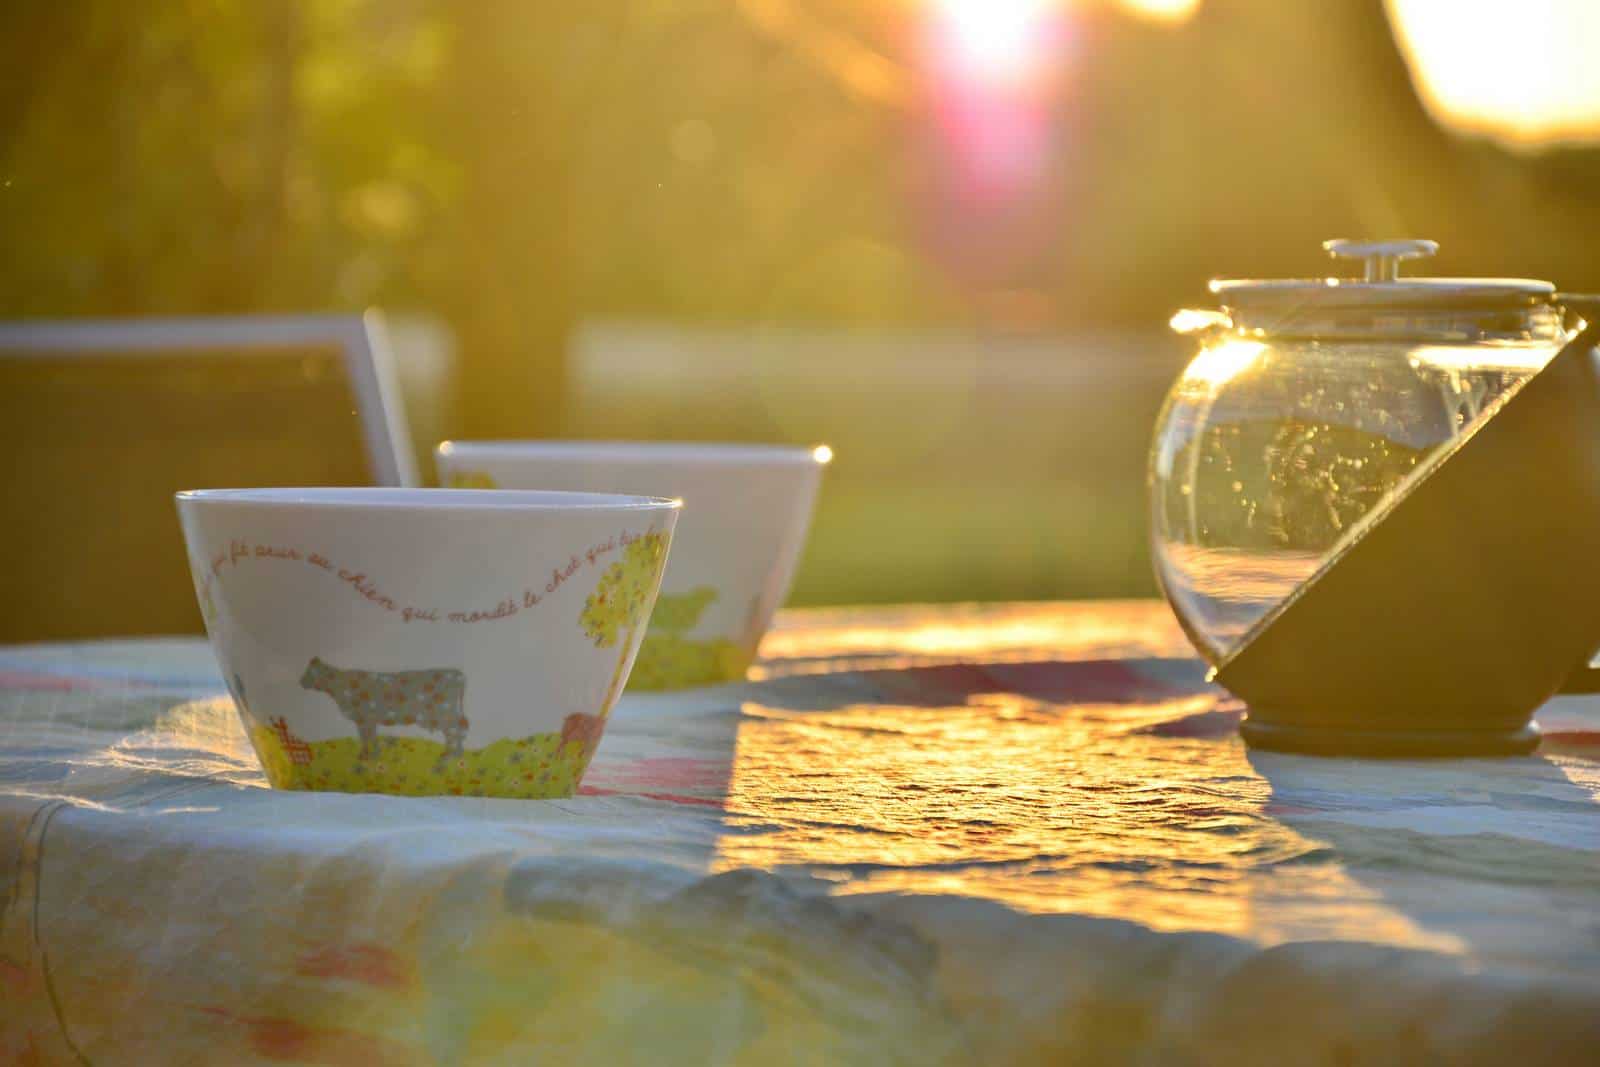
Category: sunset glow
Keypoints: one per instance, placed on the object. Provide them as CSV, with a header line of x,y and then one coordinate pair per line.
x,y
991,69
995,42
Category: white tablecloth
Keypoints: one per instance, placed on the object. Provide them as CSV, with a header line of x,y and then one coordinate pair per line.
x,y
944,835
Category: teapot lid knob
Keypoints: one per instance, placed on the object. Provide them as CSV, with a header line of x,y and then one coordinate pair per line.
x,y
1383,257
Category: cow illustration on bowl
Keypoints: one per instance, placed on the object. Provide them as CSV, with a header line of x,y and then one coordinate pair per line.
x,y
430,699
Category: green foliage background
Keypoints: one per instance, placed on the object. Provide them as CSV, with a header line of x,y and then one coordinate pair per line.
x,y
521,167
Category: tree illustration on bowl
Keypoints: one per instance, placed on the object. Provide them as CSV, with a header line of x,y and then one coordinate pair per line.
x,y
616,608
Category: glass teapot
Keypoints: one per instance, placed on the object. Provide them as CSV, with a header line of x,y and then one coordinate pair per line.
x,y
1313,411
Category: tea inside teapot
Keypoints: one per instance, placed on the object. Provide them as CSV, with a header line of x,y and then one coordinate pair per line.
x,y
1308,407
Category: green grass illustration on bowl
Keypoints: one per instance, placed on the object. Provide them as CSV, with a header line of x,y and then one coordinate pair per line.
x,y
537,766
670,660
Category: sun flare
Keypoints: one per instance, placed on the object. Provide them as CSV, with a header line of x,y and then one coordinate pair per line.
x,y
1523,72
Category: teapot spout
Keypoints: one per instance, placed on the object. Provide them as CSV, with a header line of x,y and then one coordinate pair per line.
x,y
1197,320
1581,308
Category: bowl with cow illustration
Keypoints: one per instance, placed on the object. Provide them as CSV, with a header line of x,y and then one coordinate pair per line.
x,y
747,512
425,641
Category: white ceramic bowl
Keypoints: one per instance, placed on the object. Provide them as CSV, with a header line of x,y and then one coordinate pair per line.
x,y
747,509
424,640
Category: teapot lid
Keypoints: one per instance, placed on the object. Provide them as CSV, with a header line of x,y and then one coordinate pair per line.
x,y
1382,288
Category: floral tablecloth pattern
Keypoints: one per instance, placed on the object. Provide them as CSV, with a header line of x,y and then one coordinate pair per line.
x,y
964,835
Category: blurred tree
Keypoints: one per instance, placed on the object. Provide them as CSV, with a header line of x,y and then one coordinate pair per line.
x,y
187,157
1235,145
522,165
512,241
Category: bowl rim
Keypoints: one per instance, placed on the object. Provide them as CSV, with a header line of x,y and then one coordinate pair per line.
x,y
389,498
700,452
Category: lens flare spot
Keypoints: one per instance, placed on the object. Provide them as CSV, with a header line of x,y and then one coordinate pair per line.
x,y
1161,10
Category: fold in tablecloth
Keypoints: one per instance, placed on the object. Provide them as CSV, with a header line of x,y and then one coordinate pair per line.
x,y
954,835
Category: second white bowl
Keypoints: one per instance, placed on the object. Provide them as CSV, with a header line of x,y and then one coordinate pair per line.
x,y
747,510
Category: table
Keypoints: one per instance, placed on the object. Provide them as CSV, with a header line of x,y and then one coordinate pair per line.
x,y
964,835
